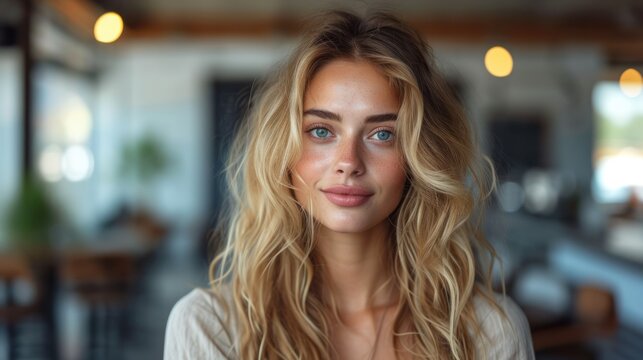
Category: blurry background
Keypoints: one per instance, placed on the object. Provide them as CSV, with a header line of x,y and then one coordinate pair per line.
x,y
113,128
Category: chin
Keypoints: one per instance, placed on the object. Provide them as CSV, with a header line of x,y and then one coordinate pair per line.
x,y
345,229
348,226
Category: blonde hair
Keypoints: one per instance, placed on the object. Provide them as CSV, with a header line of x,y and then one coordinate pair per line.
x,y
269,257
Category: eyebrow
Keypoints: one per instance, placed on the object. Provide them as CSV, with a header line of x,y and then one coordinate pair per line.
x,y
327,115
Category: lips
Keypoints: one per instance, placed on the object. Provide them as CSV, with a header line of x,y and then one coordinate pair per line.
x,y
347,196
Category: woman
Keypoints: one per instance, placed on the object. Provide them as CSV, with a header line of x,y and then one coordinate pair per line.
x,y
356,214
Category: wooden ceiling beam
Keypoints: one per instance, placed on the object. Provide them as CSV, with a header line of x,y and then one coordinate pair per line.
x,y
78,16
621,43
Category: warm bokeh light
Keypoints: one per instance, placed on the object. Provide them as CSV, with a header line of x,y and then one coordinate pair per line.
x,y
631,82
77,163
76,121
68,122
498,61
108,27
50,164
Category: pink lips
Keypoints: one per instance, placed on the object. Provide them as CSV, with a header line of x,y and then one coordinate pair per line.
x,y
347,196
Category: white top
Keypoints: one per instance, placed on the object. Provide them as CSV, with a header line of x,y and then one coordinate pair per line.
x,y
195,329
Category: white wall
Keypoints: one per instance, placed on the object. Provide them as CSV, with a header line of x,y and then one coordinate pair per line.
x,y
556,82
162,89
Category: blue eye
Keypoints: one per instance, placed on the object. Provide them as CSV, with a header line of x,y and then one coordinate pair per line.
x,y
383,135
320,132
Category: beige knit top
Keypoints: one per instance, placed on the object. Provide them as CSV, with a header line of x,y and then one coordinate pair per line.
x,y
196,329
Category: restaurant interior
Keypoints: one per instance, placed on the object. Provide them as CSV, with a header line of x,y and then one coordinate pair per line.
x,y
116,116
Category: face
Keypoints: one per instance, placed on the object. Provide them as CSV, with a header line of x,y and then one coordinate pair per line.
x,y
350,171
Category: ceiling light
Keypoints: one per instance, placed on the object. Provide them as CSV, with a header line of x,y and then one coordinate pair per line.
x,y
631,82
498,61
108,27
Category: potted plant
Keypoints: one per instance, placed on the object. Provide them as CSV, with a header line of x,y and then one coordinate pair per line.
x,y
31,218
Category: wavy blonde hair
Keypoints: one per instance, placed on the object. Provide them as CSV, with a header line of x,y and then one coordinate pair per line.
x,y
268,256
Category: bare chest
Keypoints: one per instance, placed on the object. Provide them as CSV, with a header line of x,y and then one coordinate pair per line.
x,y
361,340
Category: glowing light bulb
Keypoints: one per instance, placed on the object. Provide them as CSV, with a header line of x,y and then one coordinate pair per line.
x,y
498,61
631,83
108,27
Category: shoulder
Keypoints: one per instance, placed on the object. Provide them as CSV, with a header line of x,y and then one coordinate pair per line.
x,y
506,334
200,326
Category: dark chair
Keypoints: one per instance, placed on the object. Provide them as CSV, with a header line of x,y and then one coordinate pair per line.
x,y
23,311
593,318
103,282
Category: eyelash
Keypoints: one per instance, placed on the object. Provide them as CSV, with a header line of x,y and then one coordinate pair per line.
x,y
321,126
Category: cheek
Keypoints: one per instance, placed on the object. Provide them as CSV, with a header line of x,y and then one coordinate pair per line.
x,y
307,172
394,177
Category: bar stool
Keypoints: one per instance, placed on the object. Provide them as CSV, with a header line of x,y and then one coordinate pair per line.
x,y
22,310
103,282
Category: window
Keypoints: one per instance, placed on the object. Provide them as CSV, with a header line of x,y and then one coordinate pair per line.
x,y
618,150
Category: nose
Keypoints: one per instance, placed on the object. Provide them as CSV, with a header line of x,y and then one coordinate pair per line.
x,y
349,157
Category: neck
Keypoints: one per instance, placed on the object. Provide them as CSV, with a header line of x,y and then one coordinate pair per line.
x,y
357,267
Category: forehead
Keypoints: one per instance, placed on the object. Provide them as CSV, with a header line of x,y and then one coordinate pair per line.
x,y
351,84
